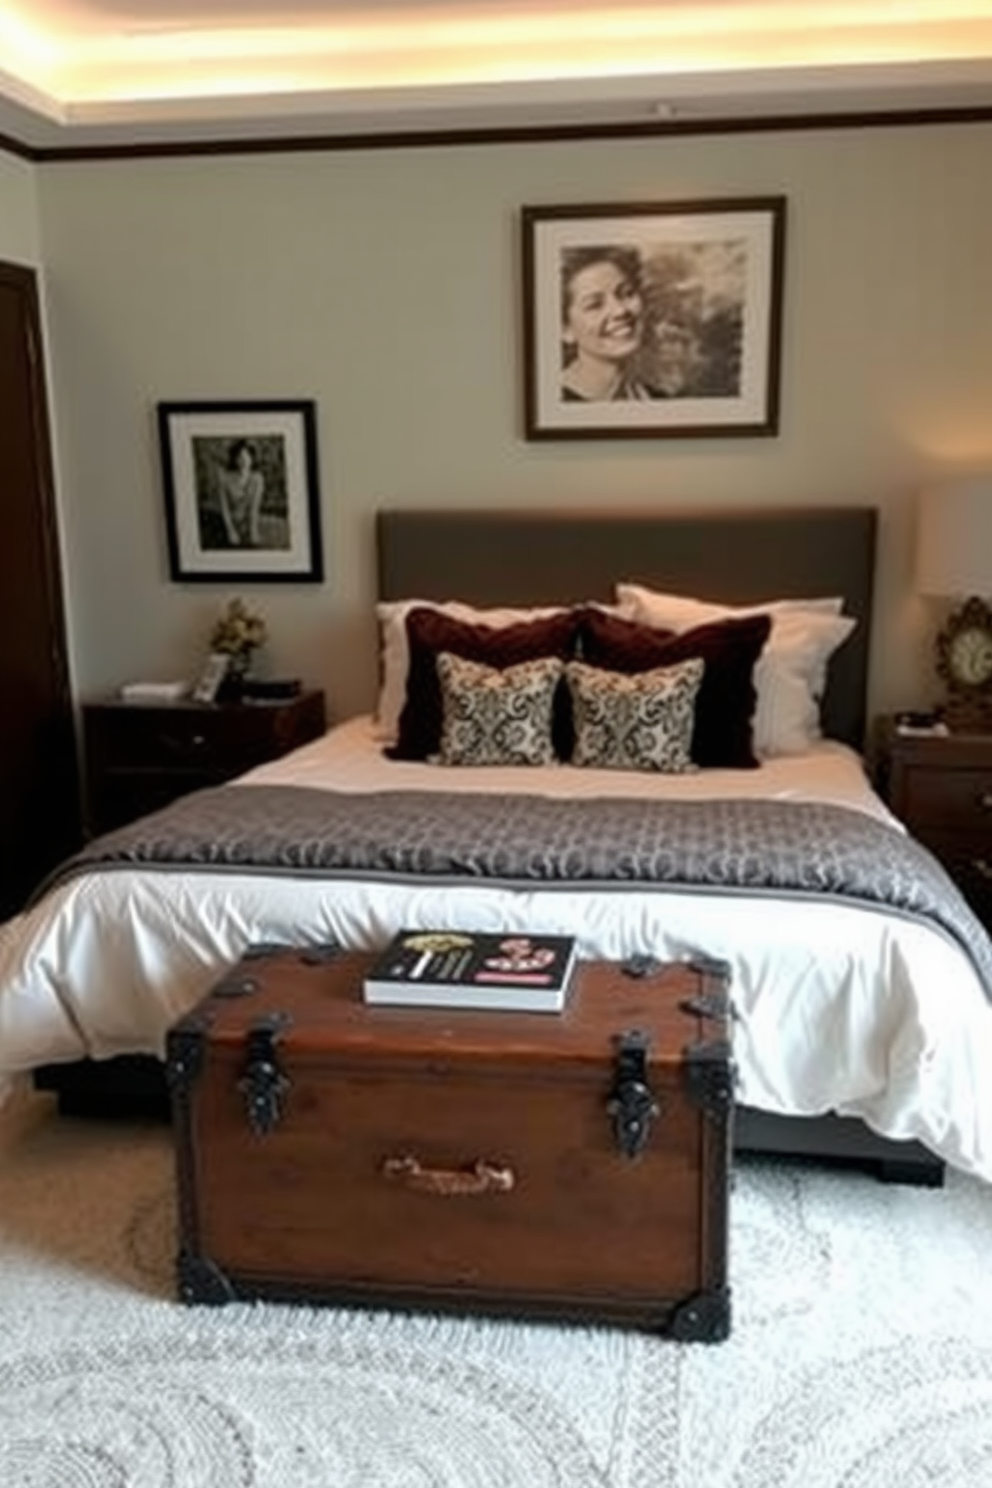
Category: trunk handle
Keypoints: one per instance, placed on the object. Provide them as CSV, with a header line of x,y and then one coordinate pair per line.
x,y
449,1183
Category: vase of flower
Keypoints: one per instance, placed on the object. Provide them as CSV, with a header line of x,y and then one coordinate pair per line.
x,y
237,635
238,667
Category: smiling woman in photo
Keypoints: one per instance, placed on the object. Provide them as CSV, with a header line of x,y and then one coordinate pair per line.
x,y
602,325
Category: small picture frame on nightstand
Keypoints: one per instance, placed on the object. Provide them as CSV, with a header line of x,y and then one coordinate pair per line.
x,y
212,676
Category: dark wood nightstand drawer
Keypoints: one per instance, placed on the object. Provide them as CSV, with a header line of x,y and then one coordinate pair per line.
x,y
183,738
940,785
947,797
141,756
967,856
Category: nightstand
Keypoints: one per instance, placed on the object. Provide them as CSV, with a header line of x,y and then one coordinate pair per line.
x,y
941,787
141,756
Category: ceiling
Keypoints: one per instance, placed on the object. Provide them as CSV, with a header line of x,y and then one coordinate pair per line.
x,y
90,73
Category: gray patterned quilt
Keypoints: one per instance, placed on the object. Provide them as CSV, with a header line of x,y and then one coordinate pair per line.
x,y
732,846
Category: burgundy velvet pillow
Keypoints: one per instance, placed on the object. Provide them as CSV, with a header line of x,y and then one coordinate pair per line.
x,y
430,631
725,703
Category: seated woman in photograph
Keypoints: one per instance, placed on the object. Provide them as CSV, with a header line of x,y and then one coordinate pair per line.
x,y
241,486
603,323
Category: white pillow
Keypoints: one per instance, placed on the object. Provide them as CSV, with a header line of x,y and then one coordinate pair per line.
x,y
394,654
791,674
679,612
790,679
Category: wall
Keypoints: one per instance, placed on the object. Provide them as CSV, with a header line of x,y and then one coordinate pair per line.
x,y
384,284
19,241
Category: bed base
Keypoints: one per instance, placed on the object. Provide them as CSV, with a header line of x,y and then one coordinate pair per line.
x,y
130,1085
841,1140
134,1085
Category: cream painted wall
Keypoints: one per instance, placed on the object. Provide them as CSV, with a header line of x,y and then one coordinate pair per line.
x,y
384,284
18,211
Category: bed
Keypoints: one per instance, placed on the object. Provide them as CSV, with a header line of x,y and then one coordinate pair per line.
x,y
890,1017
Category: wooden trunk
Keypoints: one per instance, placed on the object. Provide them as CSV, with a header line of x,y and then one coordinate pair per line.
x,y
570,1166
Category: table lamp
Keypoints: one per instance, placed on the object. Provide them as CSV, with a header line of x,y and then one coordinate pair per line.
x,y
954,561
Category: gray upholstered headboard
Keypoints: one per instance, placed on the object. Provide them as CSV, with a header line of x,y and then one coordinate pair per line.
x,y
531,557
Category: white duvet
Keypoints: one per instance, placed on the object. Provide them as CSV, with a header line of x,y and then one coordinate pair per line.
x,y
840,1008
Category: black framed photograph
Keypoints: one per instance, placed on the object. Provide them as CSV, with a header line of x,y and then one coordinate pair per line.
x,y
660,320
241,492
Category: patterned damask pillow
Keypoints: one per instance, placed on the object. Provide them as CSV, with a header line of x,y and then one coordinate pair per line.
x,y
497,716
642,721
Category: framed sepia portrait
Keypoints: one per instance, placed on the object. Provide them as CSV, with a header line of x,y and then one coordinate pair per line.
x,y
241,494
660,320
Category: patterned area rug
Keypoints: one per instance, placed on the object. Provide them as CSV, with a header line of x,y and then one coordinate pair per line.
x,y
861,1353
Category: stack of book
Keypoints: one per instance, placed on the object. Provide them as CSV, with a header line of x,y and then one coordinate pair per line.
x,y
463,969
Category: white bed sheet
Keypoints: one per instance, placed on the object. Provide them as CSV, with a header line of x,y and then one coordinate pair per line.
x,y
840,1007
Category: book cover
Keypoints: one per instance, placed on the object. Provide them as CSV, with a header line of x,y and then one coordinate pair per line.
x,y
456,968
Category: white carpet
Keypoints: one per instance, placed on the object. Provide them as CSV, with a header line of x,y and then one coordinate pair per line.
x,y
861,1353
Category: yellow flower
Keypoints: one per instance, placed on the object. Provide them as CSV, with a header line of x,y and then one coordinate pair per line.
x,y
238,631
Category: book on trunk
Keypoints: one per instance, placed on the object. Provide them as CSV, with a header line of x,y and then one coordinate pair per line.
x,y
467,969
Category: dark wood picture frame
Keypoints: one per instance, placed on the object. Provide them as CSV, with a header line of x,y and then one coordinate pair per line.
x,y
242,501
657,320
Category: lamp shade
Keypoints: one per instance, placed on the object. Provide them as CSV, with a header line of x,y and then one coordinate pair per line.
x,y
954,538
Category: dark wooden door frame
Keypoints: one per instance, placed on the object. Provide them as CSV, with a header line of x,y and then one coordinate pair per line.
x,y
39,784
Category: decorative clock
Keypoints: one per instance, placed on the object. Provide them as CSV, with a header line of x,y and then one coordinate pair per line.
x,y
964,662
